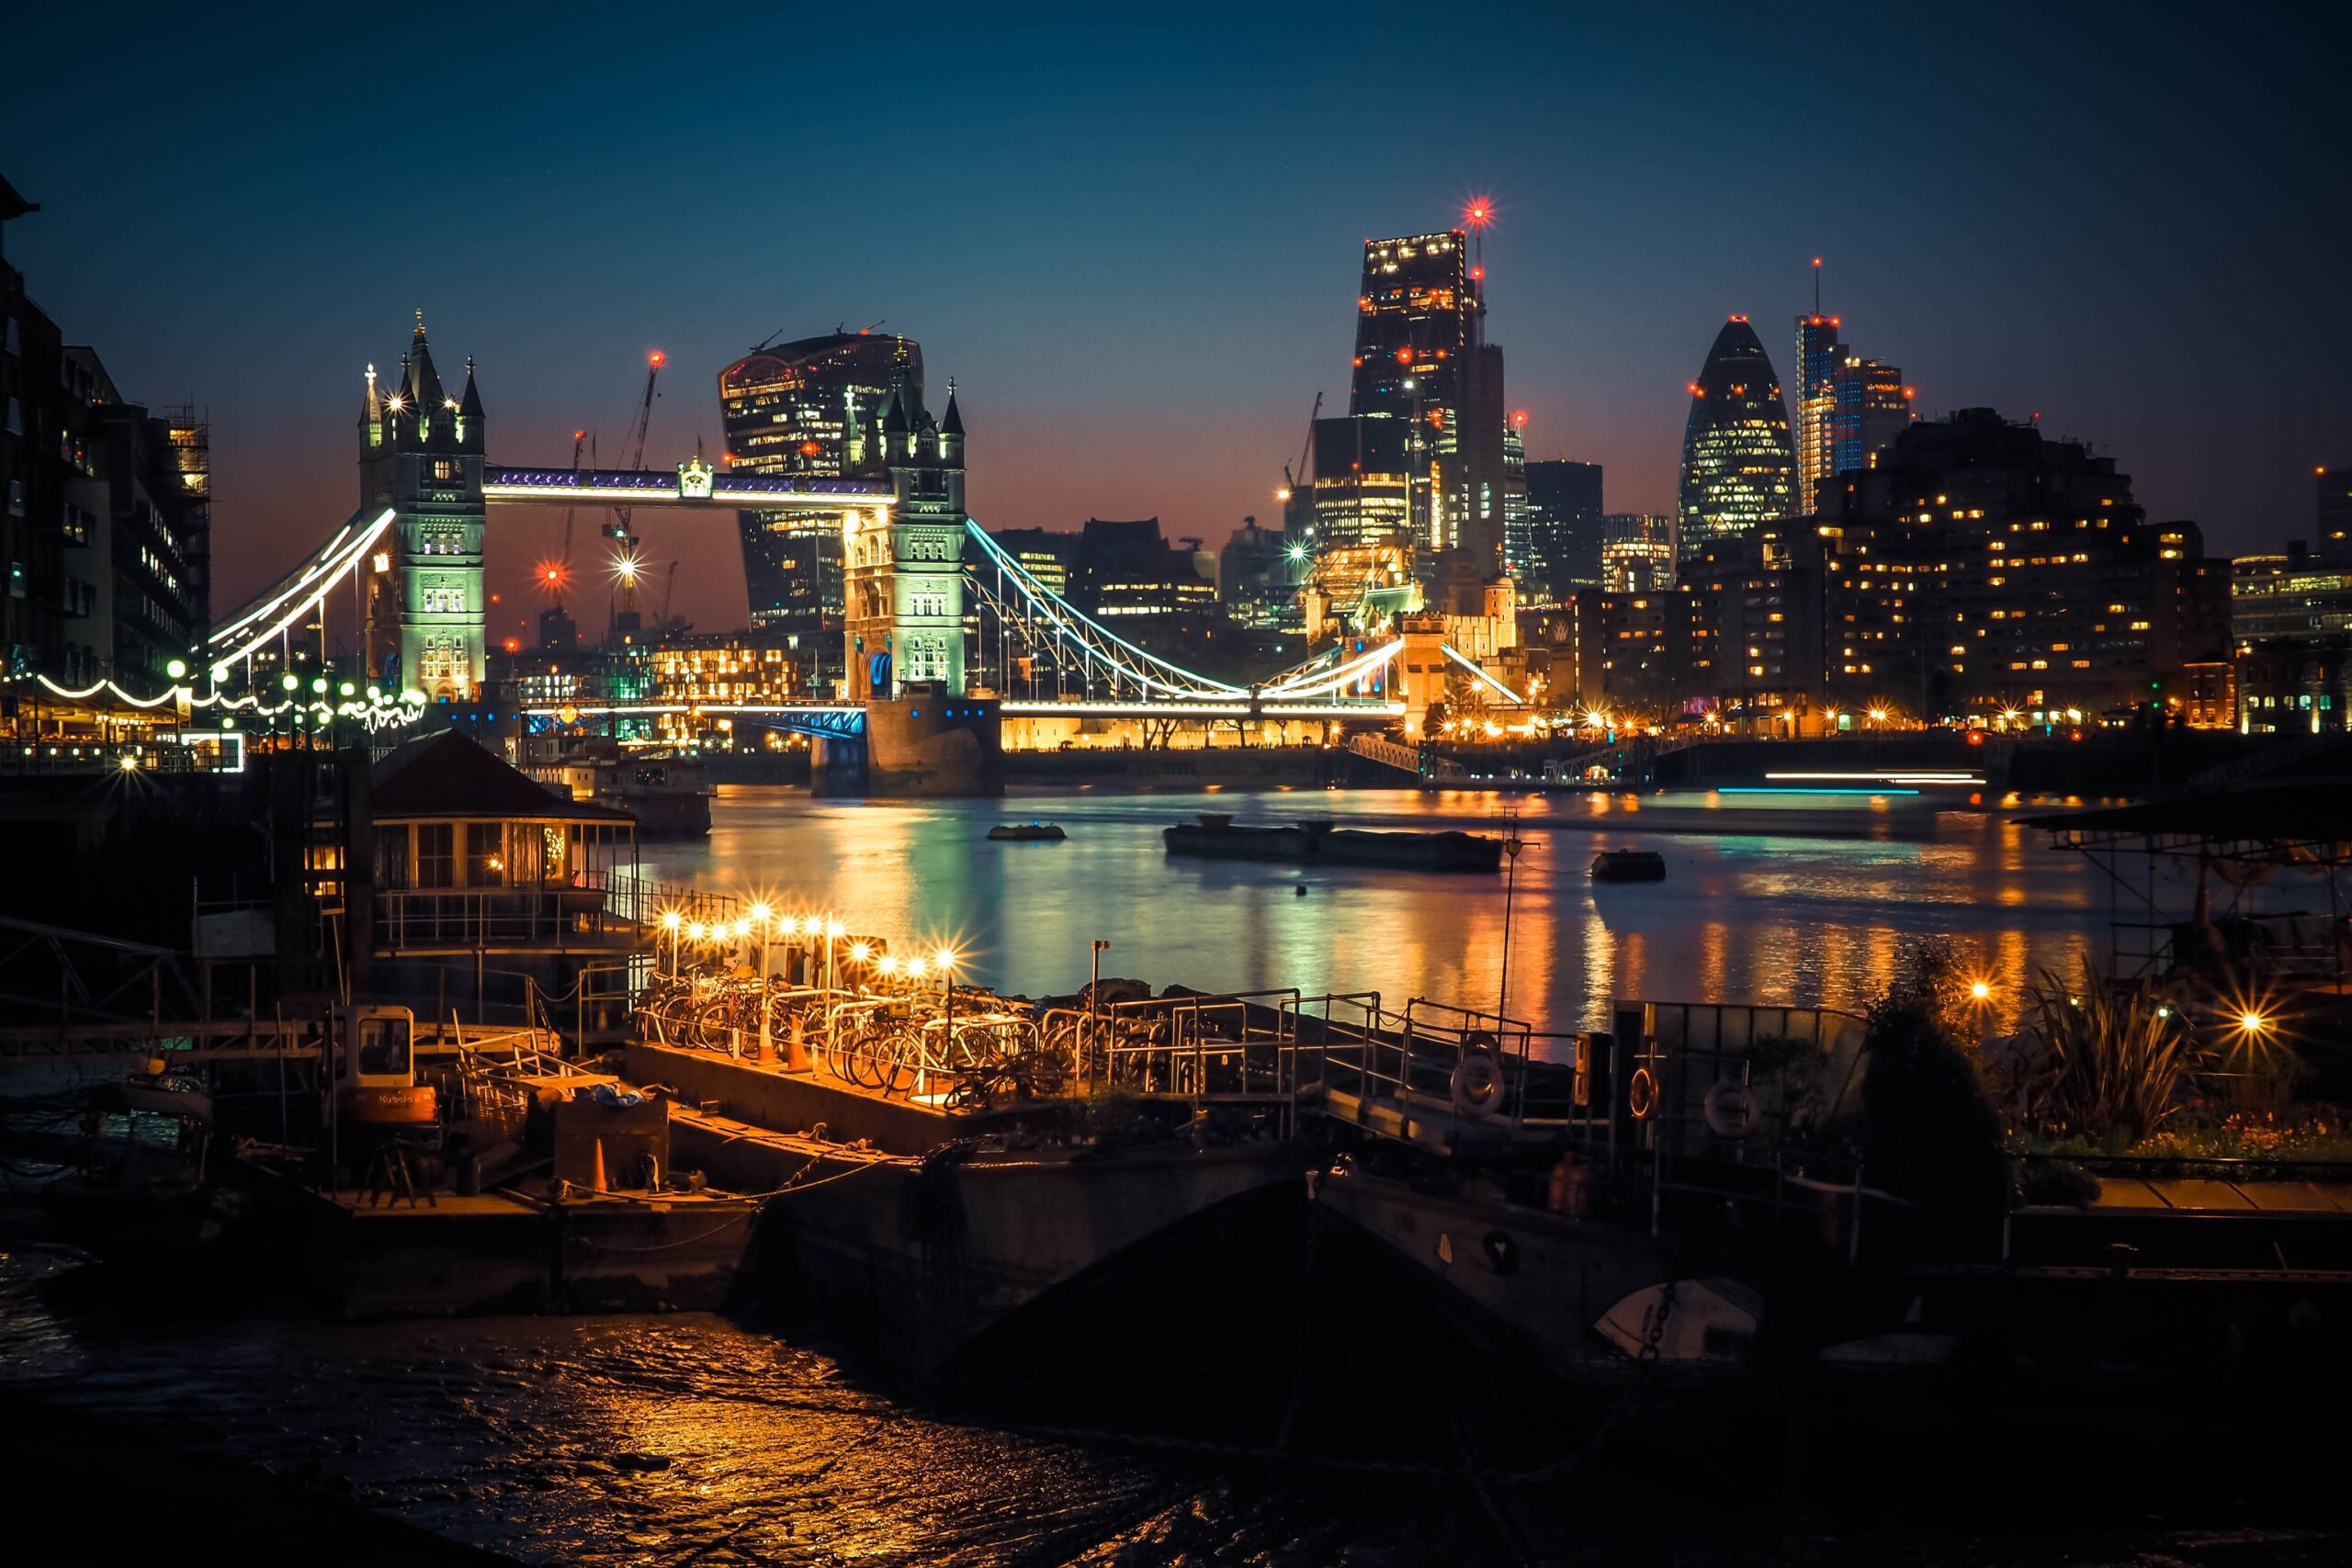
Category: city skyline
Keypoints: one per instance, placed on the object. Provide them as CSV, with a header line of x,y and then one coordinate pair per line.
x,y
1088,374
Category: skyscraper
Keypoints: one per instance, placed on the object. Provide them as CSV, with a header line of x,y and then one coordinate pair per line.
x,y
1364,490
1563,529
1421,358
791,409
1849,409
1737,470
1819,353
1869,406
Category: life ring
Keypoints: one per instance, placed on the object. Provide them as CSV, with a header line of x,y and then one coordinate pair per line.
x,y
1641,1094
1477,1084
1730,1109
1502,1252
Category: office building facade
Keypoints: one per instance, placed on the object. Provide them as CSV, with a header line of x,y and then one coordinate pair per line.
x,y
1849,409
1738,471
1565,510
1637,553
2297,595
795,407
1422,360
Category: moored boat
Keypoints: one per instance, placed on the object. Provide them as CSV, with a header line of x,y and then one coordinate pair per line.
x,y
1629,865
1214,837
1027,833
142,1184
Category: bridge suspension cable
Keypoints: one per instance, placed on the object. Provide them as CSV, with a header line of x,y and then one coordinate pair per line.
x,y
1039,613
1310,680
295,595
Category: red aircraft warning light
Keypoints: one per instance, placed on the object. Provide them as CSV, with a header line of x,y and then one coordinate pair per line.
x,y
657,359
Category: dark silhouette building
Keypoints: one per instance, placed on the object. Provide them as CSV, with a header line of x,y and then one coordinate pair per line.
x,y
105,510
1563,529
1983,568
2334,540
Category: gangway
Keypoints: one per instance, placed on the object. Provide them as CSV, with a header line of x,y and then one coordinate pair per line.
x,y
1408,758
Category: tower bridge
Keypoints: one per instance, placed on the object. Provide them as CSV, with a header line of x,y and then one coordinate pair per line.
x,y
945,633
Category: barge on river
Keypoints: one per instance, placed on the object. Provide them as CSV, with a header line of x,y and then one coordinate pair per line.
x,y
1214,837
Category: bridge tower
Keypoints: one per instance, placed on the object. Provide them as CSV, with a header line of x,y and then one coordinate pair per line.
x,y
421,454
903,573
903,600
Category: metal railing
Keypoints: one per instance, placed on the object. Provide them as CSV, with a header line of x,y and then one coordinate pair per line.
x,y
552,916
1445,1073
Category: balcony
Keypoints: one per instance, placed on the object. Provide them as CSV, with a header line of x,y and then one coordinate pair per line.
x,y
543,918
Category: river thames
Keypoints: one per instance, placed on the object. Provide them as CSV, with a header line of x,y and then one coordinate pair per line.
x,y
1800,901
706,1439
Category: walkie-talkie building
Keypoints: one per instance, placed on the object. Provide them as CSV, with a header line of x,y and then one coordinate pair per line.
x,y
788,409
1738,471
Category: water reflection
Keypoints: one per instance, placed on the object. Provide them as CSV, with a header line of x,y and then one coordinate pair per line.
x,y
1763,901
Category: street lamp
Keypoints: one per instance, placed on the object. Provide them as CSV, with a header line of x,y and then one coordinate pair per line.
x,y
670,920
945,959
1512,845
763,915
1093,1003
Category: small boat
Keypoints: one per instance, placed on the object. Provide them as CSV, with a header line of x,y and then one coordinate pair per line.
x,y
1027,833
1629,865
142,1184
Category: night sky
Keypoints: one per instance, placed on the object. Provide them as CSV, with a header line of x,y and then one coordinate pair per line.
x,y
1135,244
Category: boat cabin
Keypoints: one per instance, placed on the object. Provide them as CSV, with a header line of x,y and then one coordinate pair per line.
x,y
472,855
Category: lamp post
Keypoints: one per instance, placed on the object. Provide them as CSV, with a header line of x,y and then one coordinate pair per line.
x,y
945,959
670,920
1512,845
766,916
1093,1009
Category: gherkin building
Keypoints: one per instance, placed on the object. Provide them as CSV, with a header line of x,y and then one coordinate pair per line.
x,y
1738,469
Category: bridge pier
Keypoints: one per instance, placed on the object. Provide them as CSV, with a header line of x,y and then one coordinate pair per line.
x,y
933,741
837,766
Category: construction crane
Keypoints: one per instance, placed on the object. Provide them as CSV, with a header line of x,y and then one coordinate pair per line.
x,y
1307,447
618,530
559,575
669,592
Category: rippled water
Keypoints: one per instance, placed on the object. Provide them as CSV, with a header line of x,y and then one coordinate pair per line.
x,y
1781,904
698,1438
668,1440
